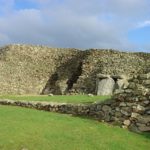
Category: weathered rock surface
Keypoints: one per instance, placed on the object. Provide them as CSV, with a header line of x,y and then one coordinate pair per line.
x,y
144,128
27,69
127,109
127,122
105,86
134,104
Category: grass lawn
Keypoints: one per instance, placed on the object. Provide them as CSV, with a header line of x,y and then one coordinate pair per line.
x,y
56,98
38,130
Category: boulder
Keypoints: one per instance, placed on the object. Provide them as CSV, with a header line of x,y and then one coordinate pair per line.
x,y
135,115
144,128
61,86
140,108
90,95
125,113
118,114
105,86
100,115
50,94
134,128
122,84
122,104
106,108
127,122
144,119
107,117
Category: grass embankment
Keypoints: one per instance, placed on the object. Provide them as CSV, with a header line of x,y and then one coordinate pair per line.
x,y
37,130
57,98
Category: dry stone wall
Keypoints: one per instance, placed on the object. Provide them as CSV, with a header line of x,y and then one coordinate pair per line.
x,y
27,69
128,109
110,62
134,104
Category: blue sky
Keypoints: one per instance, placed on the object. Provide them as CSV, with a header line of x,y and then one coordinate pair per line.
x,y
21,4
116,24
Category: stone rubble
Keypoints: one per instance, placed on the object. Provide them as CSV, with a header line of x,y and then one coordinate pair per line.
x,y
128,109
28,69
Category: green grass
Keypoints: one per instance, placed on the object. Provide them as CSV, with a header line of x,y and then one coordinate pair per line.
x,y
37,130
56,98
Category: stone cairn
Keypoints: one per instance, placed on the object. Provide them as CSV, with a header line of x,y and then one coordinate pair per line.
x,y
134,104
129,109
110,84
29,69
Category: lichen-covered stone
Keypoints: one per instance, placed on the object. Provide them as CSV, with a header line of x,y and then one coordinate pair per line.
x,y
106,108
28,69
140,108
144,128
127,122
105,86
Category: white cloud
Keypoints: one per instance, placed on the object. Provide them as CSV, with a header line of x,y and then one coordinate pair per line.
x,y
143,24
24,26
74,23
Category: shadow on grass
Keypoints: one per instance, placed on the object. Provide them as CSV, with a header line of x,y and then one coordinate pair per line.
x,y
146,135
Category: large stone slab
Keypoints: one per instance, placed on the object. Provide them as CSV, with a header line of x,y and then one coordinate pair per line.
x,y
105,86
102,76
144,128
122,84
61,87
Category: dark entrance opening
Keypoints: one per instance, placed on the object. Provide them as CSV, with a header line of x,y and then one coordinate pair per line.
x,y
75,76
50,84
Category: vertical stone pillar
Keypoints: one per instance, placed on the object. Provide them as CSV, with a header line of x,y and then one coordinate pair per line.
x,y
105,85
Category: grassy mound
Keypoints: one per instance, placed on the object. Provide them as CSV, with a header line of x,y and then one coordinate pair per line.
x,y
57,98
22,128
28,69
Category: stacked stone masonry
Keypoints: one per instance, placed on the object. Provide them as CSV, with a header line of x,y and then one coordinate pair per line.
x,y
134,104
27,69
128,109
